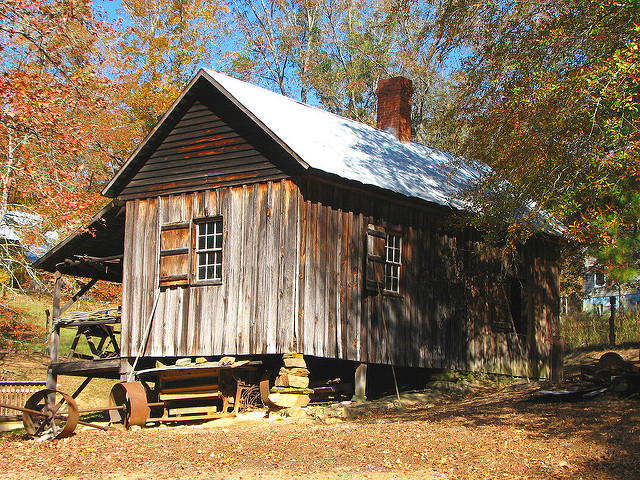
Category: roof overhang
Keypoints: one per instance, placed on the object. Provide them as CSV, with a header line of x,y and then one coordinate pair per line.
x,y
94,251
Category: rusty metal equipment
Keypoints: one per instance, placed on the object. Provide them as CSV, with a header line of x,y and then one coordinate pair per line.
x,y
198,392
181,394
49,412
128,404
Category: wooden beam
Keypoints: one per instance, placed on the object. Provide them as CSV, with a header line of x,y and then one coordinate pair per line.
x,y
94,368
52,378
73,300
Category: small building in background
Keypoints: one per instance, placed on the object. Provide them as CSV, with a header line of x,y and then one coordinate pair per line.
x,y
598,290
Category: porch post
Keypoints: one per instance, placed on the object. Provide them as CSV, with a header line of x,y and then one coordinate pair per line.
x,y
52,378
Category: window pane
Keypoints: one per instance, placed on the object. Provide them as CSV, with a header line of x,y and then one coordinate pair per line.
x,y
393,261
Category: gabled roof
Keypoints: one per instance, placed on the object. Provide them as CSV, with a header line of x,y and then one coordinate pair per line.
x,y
317,139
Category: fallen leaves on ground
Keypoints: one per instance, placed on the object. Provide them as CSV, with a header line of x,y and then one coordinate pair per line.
x,y
496,435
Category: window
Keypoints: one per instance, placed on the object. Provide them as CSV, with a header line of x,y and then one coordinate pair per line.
x,y
209,250
191,252
384,260
393,251
598,278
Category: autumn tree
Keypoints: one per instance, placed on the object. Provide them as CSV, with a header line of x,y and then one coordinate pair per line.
x,y
549,96
53,101
333,52
163,44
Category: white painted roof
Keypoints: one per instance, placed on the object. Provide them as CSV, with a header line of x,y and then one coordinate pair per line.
x,y
353,150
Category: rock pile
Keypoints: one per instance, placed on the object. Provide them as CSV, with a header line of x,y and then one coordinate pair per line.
x,y
291,385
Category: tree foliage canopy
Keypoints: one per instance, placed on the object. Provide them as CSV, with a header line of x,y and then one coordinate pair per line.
x,y
549,96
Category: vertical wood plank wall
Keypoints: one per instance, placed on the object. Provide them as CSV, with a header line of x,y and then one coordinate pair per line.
x,y
293,280
252,311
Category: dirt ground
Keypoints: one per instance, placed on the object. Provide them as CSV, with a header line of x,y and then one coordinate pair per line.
x,y
497,433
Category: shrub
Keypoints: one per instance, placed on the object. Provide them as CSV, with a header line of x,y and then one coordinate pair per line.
x,y
15,333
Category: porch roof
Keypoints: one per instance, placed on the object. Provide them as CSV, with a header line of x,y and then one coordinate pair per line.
x,y
93,251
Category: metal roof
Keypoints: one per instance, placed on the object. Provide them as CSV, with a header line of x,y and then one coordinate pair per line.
x,y
320,140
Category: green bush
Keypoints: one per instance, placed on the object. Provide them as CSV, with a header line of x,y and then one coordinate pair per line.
x,y
583,329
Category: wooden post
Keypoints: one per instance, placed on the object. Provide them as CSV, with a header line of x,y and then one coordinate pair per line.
x,y
557,359
125,369
52,379
47,350
612,322
360,383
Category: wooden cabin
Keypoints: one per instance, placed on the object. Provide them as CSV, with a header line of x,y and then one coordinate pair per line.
x,y
249,224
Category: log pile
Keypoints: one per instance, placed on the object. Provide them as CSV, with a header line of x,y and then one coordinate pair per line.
x,y
291,385
615,373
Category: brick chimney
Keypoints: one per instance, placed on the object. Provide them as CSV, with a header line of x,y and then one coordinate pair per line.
x,y
394,107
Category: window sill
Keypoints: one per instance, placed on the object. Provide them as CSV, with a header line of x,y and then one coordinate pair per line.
x,y
205,283
388,293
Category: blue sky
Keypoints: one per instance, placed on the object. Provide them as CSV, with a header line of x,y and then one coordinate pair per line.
x,y
110,7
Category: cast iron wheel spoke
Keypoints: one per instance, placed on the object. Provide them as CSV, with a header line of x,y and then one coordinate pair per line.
x,y
61,423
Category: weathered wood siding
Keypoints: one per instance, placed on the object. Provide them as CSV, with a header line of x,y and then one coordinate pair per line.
x,y
201,151
451,294
294,257
252,310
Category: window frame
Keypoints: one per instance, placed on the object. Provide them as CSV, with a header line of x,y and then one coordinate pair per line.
x,y
391,265
196,251
599,273
381,258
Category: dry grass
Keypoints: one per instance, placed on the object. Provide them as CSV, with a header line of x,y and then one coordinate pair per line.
x,y
588,329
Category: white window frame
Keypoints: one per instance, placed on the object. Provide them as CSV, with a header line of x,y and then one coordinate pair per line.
x,y
208,250
393,262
